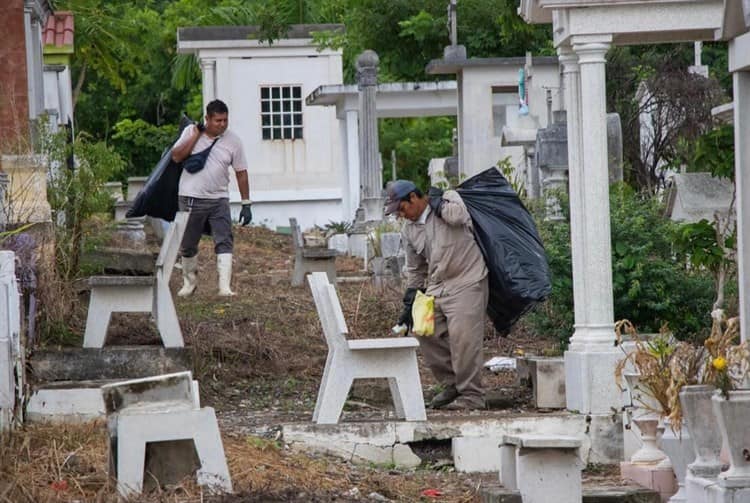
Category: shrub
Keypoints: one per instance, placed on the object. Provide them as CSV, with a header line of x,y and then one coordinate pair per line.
x,y
652,283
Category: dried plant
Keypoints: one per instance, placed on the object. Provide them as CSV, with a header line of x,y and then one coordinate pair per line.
x,y
728,364
651,359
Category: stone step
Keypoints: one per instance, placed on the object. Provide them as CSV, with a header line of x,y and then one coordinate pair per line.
x,y
495,493
112,362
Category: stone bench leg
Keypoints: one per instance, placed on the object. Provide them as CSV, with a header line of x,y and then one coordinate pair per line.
x,y
330,270
305,266
107,300
298,276
406,387
134,431
166,319
546,475
508,476
334,388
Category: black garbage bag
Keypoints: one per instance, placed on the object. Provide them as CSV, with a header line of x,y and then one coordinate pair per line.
x,y
507,235
158,197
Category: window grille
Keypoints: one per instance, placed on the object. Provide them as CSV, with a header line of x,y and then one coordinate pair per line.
x,y
281,112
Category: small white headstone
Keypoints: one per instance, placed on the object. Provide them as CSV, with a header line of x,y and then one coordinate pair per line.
x,y
390,244
339,242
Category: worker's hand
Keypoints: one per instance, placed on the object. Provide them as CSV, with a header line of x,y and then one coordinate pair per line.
x,y
246,214
405,318
200,126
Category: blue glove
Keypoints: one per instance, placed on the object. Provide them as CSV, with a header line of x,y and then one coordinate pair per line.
x,y
246,214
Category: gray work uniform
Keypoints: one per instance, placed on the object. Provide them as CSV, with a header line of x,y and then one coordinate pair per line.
x,y
443,257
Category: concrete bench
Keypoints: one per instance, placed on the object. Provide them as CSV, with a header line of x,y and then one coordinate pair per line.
x,y
138,294
163,411
307,260
394,358
542,468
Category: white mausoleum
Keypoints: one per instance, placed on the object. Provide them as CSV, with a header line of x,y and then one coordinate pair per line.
x,y
293,150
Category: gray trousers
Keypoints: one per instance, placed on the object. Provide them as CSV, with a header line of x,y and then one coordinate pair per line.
x,y
206,213
454,352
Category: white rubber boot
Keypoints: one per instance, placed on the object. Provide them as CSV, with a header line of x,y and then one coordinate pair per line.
x,y
189,276
224,268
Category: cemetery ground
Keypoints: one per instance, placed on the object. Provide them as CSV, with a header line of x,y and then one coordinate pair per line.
x,y
258,358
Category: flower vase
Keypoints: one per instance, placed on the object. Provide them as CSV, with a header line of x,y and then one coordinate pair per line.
x,y
646,420
649,453
698,411
732,414
679,448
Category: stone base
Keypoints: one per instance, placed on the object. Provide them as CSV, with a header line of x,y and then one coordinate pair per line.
x,y
661,480
700,490
476,454
590,386
548,382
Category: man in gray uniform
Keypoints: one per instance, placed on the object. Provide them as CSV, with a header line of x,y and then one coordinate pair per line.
x,y
443,259
205,194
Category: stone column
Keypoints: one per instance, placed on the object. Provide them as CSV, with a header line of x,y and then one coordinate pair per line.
x,y
352,162
208,70
571,93
590,360
371,176
741,86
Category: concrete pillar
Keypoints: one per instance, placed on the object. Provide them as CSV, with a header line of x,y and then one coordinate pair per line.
x,y
370,170
572,92
208,70
590,384
741,86
352,162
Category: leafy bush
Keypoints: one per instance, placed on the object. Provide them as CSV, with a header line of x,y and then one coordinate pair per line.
x,y
652,283
141,144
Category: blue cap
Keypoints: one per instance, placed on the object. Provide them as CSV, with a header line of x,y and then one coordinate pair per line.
x,y
397,191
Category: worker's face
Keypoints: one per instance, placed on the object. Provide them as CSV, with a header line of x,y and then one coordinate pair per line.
x,y
216,124
412,208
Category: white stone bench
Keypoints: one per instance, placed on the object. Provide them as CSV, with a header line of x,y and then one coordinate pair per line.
x,y
139,294
307,260
162,409
543,468
394,358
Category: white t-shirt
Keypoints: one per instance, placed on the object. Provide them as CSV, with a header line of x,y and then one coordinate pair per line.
x,y
212,182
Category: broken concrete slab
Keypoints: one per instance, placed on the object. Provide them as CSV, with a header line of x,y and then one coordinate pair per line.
x,y
346,439
114,362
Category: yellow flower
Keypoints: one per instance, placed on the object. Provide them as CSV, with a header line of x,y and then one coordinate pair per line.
x,y
719,363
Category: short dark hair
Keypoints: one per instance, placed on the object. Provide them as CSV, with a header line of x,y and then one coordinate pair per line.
x,y
217,107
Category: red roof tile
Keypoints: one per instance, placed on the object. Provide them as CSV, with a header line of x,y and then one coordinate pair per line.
x,y
58,31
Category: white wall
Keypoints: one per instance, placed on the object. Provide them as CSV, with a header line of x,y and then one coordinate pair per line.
x,y
308,170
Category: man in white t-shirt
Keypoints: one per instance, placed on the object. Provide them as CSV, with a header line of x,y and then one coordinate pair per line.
x,y
205,194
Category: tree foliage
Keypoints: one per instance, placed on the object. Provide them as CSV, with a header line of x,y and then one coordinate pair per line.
x,y
652,281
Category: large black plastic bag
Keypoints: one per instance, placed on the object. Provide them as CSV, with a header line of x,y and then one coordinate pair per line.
x,y
158,197
506,233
